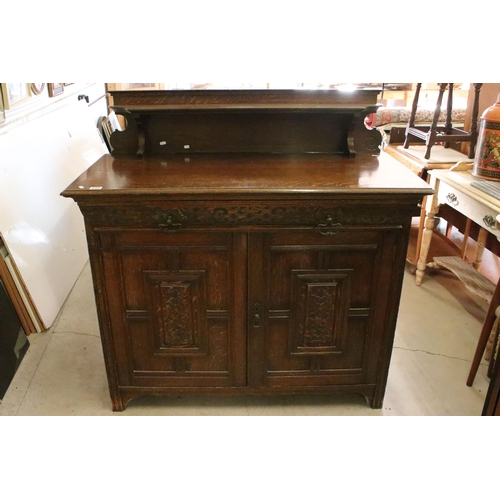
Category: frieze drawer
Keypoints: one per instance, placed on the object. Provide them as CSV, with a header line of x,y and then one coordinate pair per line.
x,y
465,204
173,217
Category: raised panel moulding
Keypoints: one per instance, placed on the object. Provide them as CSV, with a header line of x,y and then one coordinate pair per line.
x,y
319,323
178,311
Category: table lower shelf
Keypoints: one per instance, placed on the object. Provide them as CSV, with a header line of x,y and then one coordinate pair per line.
x,y
444,253
440,246
473,280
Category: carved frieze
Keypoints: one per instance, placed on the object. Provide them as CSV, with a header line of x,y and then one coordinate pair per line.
x,y
326,218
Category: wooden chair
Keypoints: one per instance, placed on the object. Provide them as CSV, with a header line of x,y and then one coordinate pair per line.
x,y
485,334
447,133
492,402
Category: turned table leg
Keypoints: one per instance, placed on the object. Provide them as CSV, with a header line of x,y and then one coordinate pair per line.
x,y
432,208
421,225
430,220
481,243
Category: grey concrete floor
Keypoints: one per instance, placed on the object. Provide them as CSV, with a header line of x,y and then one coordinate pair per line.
x,y
437,330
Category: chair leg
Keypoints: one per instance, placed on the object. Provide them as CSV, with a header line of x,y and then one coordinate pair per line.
x,y
494,353
411,122
473,124
448,125
491,338
431,136
491,403
485,333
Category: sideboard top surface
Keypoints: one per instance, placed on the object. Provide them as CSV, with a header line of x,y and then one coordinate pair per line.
x,y
240,99
236,175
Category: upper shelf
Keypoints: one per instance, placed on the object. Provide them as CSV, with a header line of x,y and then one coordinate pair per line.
x,y
162,122
244,99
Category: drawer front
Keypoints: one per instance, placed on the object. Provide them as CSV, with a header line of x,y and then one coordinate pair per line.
x,y
471,208
327,216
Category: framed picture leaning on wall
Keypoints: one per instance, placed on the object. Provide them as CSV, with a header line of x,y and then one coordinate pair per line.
x,y
55,89
2,109
37,88
15,94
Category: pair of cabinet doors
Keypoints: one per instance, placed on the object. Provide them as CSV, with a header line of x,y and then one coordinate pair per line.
x,y
265,309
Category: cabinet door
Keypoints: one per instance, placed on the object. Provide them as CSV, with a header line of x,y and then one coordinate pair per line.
x,y
176,308
322,309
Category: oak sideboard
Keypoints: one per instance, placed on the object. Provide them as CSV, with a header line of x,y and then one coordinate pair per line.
x,y
246,244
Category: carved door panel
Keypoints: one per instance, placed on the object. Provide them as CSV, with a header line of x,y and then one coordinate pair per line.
x,y
180,320
317,306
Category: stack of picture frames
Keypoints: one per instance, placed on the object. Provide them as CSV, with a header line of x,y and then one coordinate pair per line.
x,y
56,89
14,95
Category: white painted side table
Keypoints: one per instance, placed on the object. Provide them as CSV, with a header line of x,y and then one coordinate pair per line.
x,y
454,189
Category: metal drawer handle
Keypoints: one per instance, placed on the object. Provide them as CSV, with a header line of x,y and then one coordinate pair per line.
x,y
452,198
329,228
171,220
489,221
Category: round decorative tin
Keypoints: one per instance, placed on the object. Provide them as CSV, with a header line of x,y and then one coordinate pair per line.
x,y
487,158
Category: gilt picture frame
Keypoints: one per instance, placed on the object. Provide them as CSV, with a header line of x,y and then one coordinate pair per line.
x,y
55,89
15,94
37,88
2,108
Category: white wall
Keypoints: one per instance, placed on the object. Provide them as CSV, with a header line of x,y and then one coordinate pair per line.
x,y
41,152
